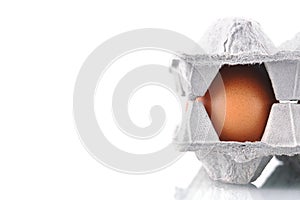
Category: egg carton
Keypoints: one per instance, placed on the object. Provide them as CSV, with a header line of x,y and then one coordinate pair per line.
x,y
239,41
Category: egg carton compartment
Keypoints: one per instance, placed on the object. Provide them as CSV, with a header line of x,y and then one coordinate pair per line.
x,y
281,135
240,162
283,68
232,42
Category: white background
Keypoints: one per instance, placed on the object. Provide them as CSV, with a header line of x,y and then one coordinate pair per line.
x,y
42,47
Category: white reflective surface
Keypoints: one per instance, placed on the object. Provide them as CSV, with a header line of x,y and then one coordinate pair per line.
x,y
283,183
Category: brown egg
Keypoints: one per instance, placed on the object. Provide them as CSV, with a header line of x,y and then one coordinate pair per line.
x,y
239,108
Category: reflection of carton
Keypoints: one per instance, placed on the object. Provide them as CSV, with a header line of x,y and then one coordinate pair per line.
x,y
283,183
238,41
202,187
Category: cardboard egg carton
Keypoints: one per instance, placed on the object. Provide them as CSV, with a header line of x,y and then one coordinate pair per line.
x,y
239,41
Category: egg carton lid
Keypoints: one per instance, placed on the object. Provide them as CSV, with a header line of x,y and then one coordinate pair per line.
x,y
241,41
235,36
243,58
197,71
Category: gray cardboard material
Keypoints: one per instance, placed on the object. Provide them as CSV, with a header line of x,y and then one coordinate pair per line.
x,y
239,41
291,45
231,170
285,77
205,67
235,36
283,127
